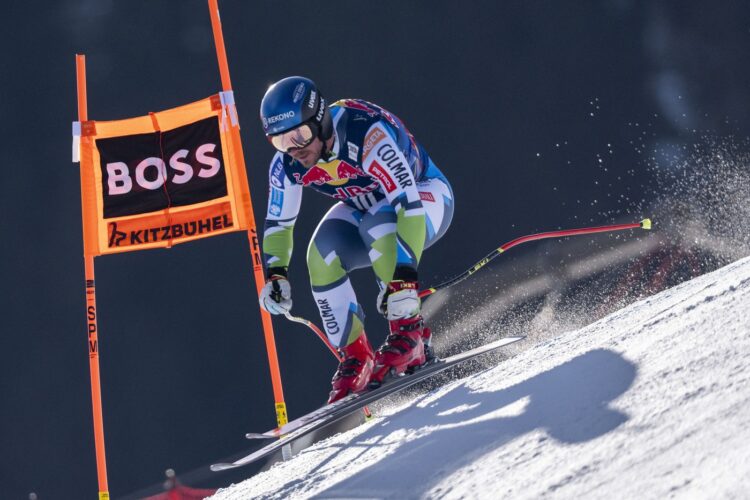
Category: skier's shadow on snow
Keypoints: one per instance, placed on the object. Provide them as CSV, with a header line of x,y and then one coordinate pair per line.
x,y
570,402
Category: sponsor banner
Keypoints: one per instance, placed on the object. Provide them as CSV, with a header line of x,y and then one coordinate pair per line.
x,y
396,164
281,116
346,192
315,175
147,172
426,196
328,317
336,172
311,99
353,151
346,170
382,176
165,178
277,173
371,140
177,227
277,202
299,91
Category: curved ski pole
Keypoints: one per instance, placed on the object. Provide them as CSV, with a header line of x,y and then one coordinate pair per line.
x,y
644,224
322,336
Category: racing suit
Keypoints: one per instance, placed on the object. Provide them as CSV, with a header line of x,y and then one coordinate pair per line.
x,y
393,203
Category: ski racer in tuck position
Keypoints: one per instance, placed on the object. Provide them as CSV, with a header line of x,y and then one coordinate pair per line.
x,y
393,203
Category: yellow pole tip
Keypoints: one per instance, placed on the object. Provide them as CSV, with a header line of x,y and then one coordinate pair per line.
x,y
646,223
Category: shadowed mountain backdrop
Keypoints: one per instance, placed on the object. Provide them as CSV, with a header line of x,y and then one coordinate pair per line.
x,y
541,115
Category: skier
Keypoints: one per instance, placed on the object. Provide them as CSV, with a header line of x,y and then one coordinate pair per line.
x,y
393,203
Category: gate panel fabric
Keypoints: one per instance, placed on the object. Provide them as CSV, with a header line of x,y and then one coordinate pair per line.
x,y
161,179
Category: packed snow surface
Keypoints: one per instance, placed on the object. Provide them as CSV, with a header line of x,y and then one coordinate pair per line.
x,y
652,401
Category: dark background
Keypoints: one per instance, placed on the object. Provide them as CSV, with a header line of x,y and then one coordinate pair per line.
x,y
543,115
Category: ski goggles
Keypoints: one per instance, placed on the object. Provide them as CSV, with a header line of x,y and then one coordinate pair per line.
x,y
296,138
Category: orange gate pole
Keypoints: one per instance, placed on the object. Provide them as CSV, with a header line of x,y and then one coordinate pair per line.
x,y
273,361
93,337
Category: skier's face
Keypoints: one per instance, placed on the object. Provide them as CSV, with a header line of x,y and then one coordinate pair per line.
x,y
308,155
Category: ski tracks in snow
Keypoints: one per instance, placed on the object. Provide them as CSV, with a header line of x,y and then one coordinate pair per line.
x,y
652,401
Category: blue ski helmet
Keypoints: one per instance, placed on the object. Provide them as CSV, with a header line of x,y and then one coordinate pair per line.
x,y
294,101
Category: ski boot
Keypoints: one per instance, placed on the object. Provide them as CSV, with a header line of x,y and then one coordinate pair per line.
x,y
403,350
355,369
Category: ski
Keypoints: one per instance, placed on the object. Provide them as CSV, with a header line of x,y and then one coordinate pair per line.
x,y
334,412
257,435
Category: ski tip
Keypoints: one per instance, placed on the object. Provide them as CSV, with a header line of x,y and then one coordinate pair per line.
x,y
220,467
257,435
646,223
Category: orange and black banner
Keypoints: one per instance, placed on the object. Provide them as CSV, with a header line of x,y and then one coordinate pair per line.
x,y
162,179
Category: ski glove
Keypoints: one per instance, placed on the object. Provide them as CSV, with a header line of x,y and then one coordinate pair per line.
x,y
399,299
276,295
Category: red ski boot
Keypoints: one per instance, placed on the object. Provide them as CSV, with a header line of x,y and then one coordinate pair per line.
x,y
354,371
403,350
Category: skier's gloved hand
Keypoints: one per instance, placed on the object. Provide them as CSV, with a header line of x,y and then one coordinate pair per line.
x,y
399,299
276,296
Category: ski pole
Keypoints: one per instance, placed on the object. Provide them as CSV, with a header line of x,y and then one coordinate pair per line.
x,y
322,336
644,224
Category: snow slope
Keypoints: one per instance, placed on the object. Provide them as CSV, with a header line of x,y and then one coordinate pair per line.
x,y
652,401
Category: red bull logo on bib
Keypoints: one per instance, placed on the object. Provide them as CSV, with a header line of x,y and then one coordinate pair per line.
x,y
335,173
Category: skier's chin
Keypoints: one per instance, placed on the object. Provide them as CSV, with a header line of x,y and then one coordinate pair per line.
x,y
307,157
308,161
